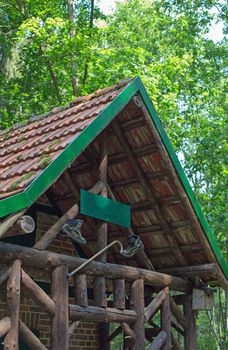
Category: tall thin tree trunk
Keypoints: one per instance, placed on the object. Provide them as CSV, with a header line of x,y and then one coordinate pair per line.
x,y
90,34
72,33
53,76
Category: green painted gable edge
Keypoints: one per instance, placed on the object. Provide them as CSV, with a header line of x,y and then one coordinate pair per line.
x,y
42,182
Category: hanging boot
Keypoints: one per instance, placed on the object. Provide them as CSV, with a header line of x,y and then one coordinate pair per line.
x,y
72,229
134,245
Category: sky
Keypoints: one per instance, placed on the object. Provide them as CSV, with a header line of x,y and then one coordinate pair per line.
x,y
215,33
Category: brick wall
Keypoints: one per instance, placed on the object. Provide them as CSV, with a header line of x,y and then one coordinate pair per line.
x,y
85,336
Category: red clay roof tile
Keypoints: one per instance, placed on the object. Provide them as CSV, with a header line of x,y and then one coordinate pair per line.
x,y
26,150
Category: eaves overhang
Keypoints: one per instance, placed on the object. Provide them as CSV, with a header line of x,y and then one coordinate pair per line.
x,y
50,174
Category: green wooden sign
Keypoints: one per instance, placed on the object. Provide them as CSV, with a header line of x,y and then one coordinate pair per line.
x,y
105,209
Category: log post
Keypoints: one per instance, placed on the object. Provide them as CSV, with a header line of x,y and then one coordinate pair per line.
x,y
80,288
103,335
119,294
13,305
190,332
99,282
137,304
166,322
60,322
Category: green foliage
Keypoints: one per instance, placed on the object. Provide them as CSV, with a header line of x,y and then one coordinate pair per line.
x,y
47,56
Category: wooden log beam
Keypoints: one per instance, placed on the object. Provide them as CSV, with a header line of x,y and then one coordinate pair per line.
x,y
100,314
134,180
5,325
29,337
89,224
13,305
146,185
102,239
114,334
177,327
4,275
177,313
9,221
155,304
166,322
96,189
80,287
119,294
53,231
158,341
130,334
137,304
45,259
194,220
192,271
60,322
175,343
37,294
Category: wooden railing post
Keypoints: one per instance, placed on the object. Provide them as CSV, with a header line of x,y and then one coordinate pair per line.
x,y
13,305
190,331
166,321
119,294
80,288
60,322
137,304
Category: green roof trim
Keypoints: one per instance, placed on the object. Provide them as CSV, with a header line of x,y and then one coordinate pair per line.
x,y
42,182
184,180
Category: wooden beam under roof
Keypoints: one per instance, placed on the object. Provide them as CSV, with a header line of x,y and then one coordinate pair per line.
x,y
149,193
192,271
134,180
188,205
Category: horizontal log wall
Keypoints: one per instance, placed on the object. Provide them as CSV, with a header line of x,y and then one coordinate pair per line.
x,y
44,259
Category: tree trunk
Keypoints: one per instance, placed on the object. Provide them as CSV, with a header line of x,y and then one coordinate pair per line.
x,y
72,34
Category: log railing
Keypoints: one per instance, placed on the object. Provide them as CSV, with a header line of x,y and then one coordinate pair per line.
x,y
65,317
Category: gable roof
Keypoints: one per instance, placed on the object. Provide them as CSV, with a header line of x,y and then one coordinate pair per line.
x,y
26,150
33,156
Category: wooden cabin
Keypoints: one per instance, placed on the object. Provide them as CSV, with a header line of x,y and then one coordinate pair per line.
x,y
104,159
